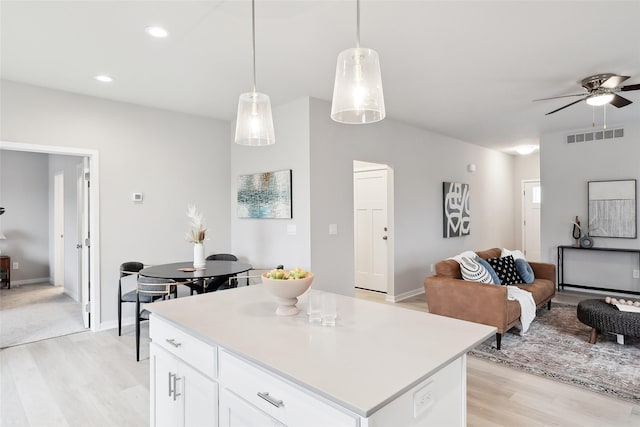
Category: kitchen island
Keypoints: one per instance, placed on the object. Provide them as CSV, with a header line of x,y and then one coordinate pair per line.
x,y
227,359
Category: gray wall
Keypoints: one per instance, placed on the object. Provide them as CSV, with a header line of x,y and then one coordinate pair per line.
x,y
266,243
421,161
565,172
24,194
174,159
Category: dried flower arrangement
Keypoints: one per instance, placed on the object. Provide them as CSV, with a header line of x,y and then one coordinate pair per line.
x,y
198,231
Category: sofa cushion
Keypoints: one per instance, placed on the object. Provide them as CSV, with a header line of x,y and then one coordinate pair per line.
x,y
448,268
483,262
473,271
525,271
505,268
541,290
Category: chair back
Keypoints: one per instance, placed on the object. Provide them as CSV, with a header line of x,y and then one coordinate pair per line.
x,y
222,257
154,286
130,267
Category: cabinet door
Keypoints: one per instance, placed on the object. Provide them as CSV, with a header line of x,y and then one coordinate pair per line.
x,y
200,397
236,412
164,410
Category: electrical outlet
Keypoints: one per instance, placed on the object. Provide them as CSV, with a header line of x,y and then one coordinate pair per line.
x,y
423,399
636,274
16,266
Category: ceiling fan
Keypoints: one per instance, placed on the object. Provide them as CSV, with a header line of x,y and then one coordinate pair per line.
x,y
601,89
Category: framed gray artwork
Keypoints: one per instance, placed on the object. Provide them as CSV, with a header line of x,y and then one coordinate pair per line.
x,y
265,195
613,209
456,213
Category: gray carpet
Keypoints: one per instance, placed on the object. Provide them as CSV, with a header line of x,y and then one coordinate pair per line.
x,y
35,312
556,346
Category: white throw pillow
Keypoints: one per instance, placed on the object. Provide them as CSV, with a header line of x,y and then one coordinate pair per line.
x,y
515,254
473,271
467,254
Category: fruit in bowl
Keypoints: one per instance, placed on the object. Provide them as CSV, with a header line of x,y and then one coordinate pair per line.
x,y
286,287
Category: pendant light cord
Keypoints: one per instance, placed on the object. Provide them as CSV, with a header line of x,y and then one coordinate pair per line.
x,y
253,35
358,23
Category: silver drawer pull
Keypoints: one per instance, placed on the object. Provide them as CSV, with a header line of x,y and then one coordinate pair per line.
x,y
173,342
275,402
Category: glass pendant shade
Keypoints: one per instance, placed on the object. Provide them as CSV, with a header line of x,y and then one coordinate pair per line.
x,y
598,100
254,124
357,92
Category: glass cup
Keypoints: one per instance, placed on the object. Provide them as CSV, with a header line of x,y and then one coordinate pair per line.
x,y
329,312
314,308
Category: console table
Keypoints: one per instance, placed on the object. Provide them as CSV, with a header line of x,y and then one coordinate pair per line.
x,y
560,269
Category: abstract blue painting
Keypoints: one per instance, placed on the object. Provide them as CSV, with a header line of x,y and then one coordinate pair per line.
x,y
265,195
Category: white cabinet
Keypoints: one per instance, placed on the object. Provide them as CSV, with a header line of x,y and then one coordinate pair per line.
x,y
235,412
183,386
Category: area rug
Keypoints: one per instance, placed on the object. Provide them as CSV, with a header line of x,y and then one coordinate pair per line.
x,y
556,346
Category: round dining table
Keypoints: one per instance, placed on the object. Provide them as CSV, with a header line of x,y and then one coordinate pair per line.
x,y
184,271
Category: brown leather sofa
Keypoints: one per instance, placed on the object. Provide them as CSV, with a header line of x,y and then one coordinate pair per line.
x,y
449,295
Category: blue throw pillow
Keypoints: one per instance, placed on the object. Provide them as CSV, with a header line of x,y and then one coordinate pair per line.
x,y
494,277
525,271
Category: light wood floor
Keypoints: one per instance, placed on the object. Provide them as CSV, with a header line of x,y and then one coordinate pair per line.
x,y
92,379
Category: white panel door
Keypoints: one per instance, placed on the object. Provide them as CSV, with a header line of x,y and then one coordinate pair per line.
x,y
531,220
58,229
371,229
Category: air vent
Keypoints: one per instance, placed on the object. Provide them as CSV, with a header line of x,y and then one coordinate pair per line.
x,y
598,135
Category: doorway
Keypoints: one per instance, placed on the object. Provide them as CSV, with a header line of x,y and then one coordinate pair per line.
x,y
373,238
83,246
531,203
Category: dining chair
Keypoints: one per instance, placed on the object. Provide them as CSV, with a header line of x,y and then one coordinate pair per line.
x,y
148,290
126,269
216,283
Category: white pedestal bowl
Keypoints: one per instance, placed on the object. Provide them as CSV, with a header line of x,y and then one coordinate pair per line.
x,y
286,292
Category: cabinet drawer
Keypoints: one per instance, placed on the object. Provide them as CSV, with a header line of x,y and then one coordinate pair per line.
x,y
277,397
200,355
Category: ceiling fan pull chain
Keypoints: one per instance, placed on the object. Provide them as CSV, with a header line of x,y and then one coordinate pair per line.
x,y
593,120
605,117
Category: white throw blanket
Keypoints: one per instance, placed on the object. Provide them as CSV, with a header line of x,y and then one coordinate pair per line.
x,y
527,306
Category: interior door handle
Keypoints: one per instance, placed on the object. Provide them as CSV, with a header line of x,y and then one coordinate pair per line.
x,y
384,237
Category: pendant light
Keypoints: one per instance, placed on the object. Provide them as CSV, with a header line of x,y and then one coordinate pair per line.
x,y
357,92
254,123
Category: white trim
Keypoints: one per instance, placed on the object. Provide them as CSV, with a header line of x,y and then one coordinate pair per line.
x,y
94,216
31,281
404,295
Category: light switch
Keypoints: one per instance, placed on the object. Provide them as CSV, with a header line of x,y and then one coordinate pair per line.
x,y
136,197
291,229
333,229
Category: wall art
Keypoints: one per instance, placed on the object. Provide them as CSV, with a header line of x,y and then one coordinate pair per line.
x,y
457,216
613,209
265,195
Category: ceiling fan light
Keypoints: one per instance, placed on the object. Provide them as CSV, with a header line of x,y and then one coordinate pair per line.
x,y
254,123
523,150
357,92
598,100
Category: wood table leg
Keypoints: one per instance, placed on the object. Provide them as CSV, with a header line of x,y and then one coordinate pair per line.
x,y
594,336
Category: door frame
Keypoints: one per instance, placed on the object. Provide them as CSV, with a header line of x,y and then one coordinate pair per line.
x,y
522,209
390,295
58,230
94,213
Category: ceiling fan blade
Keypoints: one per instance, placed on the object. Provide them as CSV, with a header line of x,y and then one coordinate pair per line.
x,y
568,105
619,101
613,82
556,97
630,87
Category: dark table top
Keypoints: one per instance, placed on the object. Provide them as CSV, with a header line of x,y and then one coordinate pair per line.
x,y
213,269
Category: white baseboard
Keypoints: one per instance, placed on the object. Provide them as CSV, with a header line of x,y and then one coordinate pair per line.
x,y
405,295
113,324
30,281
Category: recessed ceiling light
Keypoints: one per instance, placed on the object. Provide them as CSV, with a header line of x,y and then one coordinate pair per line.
x,y
103,78
158,32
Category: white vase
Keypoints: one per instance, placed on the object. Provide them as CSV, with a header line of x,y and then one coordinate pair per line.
x,y
198,256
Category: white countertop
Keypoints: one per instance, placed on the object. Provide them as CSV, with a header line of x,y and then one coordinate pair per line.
x,y
373,354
